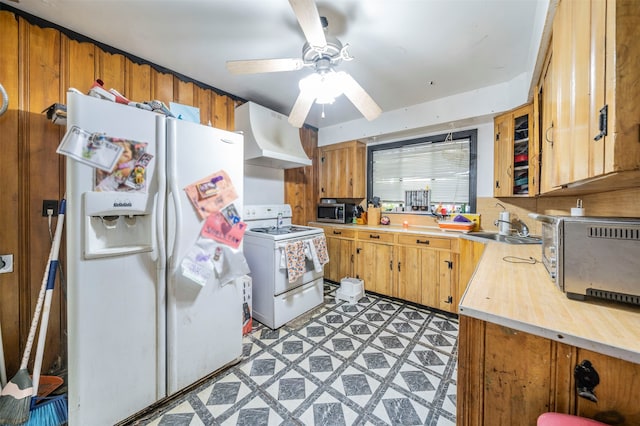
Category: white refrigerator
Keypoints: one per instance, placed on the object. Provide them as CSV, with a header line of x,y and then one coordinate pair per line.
x,y
138,330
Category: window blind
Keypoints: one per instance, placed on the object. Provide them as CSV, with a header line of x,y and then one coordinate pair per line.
x,y
443,167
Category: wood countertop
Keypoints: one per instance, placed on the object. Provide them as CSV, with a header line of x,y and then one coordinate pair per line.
x,y
522,296
432,231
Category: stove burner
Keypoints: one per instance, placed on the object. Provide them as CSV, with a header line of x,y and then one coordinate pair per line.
x,y
272,230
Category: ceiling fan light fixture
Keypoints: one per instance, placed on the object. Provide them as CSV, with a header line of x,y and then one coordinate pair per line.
x,y
325,86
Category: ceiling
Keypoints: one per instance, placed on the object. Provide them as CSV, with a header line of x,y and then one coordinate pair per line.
x,y
406,52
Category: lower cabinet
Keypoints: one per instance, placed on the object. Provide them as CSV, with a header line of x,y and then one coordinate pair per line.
x,y
431,271
425,271
375,261
509,377
341,253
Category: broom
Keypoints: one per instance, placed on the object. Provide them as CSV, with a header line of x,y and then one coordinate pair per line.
x,y
15,397
48,411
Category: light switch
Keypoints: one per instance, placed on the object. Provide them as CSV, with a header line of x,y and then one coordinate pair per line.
x,y
6,263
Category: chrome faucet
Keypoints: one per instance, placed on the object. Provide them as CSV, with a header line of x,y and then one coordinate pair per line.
x,y
521,228
517,225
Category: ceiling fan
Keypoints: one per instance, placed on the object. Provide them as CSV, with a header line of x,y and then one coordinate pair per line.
x,y
321,52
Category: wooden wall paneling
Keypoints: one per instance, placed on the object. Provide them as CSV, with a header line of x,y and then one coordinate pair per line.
x,y
111,70
80,65
43,179
9,194
300,186
203,102
161,87
138,84
183,92
221,117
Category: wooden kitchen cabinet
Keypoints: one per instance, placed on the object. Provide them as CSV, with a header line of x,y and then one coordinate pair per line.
x,y
596,69
426,271
547,114
431,271
342,170
515,153
374,261
340,245
510,377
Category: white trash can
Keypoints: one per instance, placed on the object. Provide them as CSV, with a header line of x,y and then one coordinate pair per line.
x,y
351,290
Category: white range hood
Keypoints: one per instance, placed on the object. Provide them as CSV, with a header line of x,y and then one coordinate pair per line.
x,y
269,139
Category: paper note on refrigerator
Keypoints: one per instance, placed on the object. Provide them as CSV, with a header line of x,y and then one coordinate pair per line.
x,y
93,149
212,193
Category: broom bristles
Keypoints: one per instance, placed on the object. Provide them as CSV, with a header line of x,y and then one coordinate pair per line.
x,y
50,411
16,399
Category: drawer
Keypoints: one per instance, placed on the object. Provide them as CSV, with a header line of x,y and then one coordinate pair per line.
x,y
340,232
378,237
424,241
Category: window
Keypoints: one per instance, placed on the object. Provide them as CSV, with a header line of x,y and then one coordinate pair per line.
x,y
444,164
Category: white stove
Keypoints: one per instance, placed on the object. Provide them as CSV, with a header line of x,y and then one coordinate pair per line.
x,y
274,222
276,300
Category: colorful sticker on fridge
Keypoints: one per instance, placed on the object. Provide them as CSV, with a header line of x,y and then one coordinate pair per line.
x,y
212,193
93,149
217,228
133,161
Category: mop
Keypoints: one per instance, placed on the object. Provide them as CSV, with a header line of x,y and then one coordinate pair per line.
x,y
15,398
48,411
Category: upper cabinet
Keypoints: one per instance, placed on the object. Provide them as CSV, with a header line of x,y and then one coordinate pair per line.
x,y
594,126
342,170
515,153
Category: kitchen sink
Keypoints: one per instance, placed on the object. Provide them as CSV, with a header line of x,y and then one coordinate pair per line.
x,y
509,239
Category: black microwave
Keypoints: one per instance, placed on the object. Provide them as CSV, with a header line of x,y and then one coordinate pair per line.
x,y
336,212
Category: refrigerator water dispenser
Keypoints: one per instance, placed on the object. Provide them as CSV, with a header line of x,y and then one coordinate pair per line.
x,y
117,223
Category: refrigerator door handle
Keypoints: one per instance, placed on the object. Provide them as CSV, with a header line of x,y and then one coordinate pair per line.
x,y
172,178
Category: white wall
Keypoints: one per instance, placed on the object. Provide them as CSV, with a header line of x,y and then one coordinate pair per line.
x,y
469,110
263,185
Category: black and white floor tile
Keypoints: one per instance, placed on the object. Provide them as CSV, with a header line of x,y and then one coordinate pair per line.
x,y
377,362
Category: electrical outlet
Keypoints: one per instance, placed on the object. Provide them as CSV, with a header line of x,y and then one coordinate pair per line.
x,y
6,263
49,205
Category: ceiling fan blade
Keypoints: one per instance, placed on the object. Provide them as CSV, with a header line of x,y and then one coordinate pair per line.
x,y
254,66
301,108
360,99
309,19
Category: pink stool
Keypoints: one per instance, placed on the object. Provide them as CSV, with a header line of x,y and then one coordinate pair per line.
x,y
557,419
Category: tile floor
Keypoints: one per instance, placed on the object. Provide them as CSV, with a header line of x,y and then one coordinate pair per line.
x,y
378,362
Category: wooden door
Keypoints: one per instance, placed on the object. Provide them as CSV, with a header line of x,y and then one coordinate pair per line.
x,y
572,77
503,156
548,111
374,265
340,259
409,274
